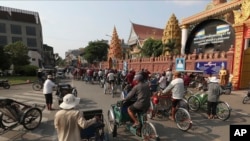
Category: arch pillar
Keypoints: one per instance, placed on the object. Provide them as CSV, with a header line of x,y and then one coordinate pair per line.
x,y
238,55
184,36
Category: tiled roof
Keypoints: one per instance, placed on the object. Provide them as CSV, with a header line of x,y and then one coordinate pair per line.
x,y
144,32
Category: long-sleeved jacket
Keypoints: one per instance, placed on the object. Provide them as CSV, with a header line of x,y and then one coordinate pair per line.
x,y
68,124
142,92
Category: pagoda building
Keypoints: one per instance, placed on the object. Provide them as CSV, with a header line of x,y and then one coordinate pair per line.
x,y
172,32
138,35
115,49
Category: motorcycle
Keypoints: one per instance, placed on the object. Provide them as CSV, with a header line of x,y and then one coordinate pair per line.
x,y
5,84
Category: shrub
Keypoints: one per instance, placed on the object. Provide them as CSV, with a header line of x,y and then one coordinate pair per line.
x,y
27,70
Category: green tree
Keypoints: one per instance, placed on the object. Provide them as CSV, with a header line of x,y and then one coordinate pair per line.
x,y
151,47
4,59
18,53
96,51
171,47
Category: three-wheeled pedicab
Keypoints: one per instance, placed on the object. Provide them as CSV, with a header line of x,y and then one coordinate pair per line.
x,y
117,116
13,113
95,132
63,89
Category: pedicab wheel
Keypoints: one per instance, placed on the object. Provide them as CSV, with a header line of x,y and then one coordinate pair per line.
x,y
183,119
32,118
183,104
148,132
36,86
223,110
6,86
151,110
245,99
193,103
112,124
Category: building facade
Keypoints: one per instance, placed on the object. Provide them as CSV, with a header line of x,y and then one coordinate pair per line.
x,y
25,26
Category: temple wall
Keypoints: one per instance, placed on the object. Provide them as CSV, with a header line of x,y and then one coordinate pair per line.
x,y
160,64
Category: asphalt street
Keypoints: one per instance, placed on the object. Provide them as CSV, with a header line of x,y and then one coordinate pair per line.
x,y
93,97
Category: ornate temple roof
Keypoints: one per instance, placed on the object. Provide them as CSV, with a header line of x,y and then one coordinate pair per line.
x,y
216,11
144,32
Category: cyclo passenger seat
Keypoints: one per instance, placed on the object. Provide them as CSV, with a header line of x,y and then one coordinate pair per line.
x,y
8,107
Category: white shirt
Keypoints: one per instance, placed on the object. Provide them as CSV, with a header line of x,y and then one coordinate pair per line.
x,y
111,76
99,73
48,86
162,82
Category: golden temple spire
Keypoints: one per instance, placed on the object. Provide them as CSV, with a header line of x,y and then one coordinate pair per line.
x,y
115,50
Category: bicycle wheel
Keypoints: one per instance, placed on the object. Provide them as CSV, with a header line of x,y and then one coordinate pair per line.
x,y
193,103
183,104
36,86
112,91
246,100
148,132
187,94
32,118
112,124
223,111
183,119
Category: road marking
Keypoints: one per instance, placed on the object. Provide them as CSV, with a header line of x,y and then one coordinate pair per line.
x,y
245,114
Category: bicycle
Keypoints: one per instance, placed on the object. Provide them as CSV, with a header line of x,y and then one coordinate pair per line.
x,y
161,106
118,116
14,113
109,88
199,100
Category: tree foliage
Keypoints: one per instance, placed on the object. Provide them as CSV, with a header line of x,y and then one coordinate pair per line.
x,y
152,47
4,59
171,47
18,53
96,51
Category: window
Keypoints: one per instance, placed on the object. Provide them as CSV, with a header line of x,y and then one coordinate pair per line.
x,y
2,28
33,59
16,29
31,42
16,39
30,30
3,40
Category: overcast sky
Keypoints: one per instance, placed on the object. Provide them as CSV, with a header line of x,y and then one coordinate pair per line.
x,y
72,24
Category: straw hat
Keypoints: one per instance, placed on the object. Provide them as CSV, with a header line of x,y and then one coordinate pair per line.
x,y
69,101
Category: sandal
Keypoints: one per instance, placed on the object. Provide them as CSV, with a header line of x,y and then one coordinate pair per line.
x,y
135,125
171,118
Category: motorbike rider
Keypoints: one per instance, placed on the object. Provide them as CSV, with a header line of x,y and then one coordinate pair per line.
x,y
142,93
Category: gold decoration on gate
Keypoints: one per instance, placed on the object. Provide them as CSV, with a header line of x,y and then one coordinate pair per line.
x,y
243,14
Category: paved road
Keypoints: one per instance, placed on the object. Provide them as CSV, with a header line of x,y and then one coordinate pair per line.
x,y
93,98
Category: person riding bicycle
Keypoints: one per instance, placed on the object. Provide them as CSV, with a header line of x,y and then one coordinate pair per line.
x,y
111,78
142,93
178,90
40,75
